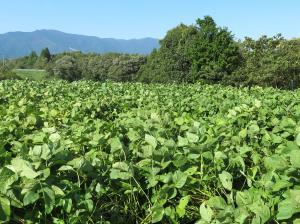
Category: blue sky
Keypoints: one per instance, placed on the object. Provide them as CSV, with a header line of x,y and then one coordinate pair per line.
x,y
150,18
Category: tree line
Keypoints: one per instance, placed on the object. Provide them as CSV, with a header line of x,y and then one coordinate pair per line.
x,y
202,52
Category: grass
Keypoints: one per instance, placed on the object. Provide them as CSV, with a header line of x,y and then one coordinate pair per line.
x,y
32,74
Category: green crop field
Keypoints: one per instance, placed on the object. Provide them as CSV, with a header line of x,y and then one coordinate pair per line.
x,y
87,152
32,74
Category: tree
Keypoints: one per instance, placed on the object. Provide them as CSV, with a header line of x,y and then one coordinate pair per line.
x,y
45,53
193,53
213,52
66,68
33,54
170,63
269,61
125,67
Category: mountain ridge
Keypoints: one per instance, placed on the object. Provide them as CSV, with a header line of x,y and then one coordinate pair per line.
x,y
19,43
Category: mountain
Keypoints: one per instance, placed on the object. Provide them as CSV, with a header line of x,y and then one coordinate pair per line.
x,y
17,44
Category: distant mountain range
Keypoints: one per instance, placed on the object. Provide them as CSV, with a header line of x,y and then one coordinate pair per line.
x,y
18,44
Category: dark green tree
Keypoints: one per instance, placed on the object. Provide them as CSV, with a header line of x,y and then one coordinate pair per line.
x,y
193,53
45,53
67,68
170,63
213,52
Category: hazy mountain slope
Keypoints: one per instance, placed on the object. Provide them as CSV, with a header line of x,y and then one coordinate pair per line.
x,y
16,44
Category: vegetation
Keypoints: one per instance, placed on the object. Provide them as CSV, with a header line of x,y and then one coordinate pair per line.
x,y
193,53
32,74
6,73
134,153
202,52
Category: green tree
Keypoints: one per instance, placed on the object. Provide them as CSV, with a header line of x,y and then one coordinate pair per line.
x,y
193,53
170,63
269,61
45,53
125,67
213,52
67,68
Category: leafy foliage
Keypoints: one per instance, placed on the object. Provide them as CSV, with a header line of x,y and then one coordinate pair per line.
x,y
135,153
193,53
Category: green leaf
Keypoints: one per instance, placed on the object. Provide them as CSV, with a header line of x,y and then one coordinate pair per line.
x,y
151,140
157,213
120,166
275,162
67,205
179,121
295,158
193,138
206,212
179,179
281,184
182,141
4,209
241,214
57,191
285,210
298,139
7,177
217,202
180,208
22,168
296,221
89,205
260,210
30,197
243,133
55,137
117,174
49,198
226,180
115,144
253,129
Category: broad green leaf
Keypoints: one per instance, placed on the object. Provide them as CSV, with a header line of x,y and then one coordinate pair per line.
x,y
89,205
151,140
298,139
295,158
217,202
115,144
7,177
22,168
206,212
57,191
281,184
120,166
157,213
243,133
180,208
275,162
193,138
296,221
241,214
67,205
4,209
253,129
55,137
182,141
226,180
117,174
179,179
30,197
261,210
285,209
49,198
